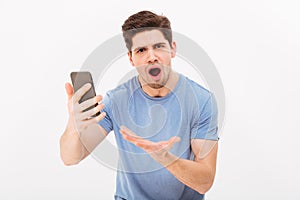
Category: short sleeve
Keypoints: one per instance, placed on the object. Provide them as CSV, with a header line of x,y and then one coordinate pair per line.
x,y
107,123
205,122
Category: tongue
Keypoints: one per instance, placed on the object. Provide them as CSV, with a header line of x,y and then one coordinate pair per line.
x,y
154,71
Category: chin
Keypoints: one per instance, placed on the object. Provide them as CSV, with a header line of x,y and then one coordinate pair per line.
x,y
155,85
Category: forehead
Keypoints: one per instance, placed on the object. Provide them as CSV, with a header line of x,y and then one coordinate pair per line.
x,y
146,38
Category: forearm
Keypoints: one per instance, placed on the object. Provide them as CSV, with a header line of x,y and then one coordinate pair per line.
x,y
76,146
197,176
71,148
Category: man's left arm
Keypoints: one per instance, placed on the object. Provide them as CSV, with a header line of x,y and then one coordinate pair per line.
x,y
199,173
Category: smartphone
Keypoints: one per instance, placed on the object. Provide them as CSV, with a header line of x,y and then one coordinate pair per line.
x,y
78,80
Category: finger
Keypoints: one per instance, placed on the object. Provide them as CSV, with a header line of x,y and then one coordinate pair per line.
x,y
90,102
142,144
166,144
140,141
95,119
150,147
69,90
174,139
81,91
136,140
88,114
127,131
128,137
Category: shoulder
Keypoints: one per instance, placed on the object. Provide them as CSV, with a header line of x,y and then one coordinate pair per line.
x,y
198,91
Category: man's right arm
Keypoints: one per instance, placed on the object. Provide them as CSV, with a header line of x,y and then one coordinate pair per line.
x,y
83,133
74,148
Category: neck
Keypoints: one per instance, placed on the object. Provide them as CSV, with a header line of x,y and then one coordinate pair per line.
x,y
165,90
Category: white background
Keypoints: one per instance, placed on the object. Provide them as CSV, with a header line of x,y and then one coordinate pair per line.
x,y
254,44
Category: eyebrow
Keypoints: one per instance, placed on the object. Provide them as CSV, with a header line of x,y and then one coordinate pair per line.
x,y
161,43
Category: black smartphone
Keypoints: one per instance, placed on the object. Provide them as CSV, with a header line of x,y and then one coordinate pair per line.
x,y
78,80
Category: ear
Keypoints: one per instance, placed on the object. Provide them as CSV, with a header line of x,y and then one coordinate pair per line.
x,y
130,58
173,49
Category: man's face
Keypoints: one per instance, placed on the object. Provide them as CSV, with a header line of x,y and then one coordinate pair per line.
x,y
151,55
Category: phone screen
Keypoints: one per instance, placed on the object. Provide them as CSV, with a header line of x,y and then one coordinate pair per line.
x,y
78,80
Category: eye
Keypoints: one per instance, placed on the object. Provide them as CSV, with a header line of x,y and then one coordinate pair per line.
x,y
141,50
157,46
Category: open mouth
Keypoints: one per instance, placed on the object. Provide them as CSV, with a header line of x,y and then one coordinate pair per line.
x,y
154,71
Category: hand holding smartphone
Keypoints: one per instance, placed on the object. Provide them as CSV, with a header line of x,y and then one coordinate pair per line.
x,y
79,79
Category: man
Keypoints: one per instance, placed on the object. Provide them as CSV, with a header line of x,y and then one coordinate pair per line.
x,y
164,123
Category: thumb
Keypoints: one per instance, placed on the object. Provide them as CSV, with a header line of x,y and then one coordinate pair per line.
x,y
172,141
69,90
175,139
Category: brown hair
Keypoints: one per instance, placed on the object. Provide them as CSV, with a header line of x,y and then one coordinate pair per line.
x,y
145,21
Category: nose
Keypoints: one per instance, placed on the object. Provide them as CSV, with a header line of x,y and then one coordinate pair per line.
x,y
151,56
